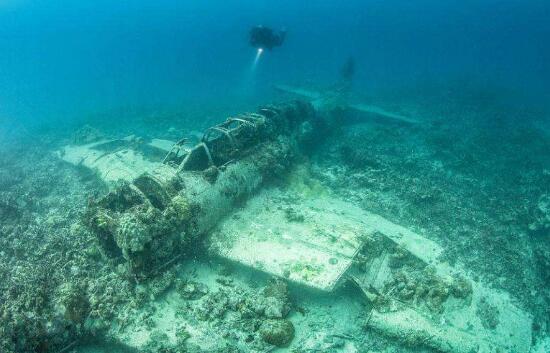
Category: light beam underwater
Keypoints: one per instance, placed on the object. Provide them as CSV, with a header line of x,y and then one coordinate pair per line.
x,y
257,58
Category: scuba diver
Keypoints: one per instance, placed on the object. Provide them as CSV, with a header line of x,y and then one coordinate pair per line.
x,y
266,38
348,70
346,76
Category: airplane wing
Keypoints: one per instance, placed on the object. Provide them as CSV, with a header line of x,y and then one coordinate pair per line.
x,y
372,109
317,98
310,94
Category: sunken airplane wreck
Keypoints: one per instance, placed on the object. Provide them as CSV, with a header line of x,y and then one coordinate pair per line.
x,y
166,196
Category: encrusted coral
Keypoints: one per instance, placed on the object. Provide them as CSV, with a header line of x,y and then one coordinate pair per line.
x,y
178,211
276,299
191,290
423,287
132,234
236,309
278,332
160,284
73,298
127,224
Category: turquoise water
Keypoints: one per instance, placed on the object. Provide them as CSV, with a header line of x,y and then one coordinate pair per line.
x,y
406,194
63,57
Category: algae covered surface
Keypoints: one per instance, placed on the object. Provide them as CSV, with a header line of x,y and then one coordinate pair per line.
x,y
167,186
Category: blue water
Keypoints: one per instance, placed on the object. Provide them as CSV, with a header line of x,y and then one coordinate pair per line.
x,y
62,59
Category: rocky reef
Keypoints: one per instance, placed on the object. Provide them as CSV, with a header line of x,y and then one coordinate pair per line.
x,y
250,316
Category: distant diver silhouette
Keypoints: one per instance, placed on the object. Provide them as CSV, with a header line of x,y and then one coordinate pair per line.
x,y
348,70
266,38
